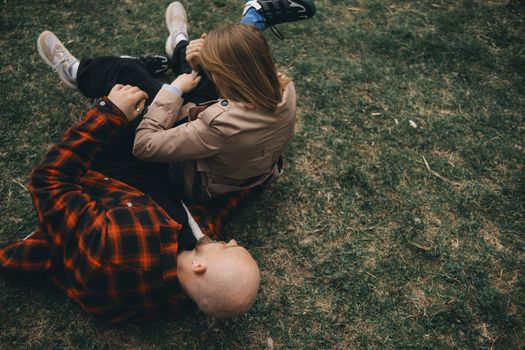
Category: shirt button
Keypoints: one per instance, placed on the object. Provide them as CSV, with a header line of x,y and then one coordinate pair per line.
x,y
106,179
224,102
129,204
102,103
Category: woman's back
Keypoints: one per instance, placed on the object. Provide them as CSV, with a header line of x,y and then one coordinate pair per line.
x,y
254,141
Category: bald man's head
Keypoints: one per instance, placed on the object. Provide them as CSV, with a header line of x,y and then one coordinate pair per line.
x,y
222,278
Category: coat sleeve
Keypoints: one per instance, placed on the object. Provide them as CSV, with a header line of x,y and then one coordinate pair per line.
x,y
157,141
72,221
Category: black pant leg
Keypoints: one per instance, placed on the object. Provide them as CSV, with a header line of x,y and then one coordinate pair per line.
x,y
96,77
179,63
205,90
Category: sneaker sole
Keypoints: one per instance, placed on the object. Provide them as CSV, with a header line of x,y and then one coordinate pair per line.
x,y
41,52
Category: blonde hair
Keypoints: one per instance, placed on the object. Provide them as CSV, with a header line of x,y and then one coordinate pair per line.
x,y
238,60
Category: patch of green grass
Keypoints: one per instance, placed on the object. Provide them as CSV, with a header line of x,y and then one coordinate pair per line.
x,y
359,244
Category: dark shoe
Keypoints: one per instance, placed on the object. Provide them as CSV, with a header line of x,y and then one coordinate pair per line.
x,y
281,11
154,64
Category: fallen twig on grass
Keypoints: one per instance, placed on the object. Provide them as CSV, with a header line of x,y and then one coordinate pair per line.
x,y
292,61
19,183
421,247
423,250
439,176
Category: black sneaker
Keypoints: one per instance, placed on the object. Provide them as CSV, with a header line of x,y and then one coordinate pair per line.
x,y
282,11
154,64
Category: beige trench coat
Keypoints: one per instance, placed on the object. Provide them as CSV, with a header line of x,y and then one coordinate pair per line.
x,y
223,147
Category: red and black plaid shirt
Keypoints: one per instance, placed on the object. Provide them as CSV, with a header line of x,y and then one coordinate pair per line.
x,y
109,246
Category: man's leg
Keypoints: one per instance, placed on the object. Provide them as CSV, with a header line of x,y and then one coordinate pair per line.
x,y
96,77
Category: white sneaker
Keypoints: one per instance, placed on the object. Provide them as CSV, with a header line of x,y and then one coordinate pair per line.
x,y
55,54
177,22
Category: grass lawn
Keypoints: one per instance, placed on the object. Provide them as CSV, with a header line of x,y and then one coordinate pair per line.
x,y
399,223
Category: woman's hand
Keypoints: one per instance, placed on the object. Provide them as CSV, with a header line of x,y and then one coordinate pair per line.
x,y
186,82
193,52
129,99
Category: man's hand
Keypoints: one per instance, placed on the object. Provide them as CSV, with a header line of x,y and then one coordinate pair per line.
x,y
129,99
193,52
186,82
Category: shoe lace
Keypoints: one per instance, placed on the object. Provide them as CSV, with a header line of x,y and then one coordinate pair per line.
x,y
276,32
64,57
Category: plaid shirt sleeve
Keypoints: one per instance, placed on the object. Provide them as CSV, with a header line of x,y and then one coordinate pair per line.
x,y
54,186
70,219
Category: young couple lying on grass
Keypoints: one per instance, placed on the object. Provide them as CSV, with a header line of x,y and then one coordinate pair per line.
x,y
115,233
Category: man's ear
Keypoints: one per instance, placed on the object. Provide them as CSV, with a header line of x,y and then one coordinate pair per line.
x,y
198,267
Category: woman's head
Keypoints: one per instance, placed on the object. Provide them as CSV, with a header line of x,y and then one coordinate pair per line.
x,y
238,60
